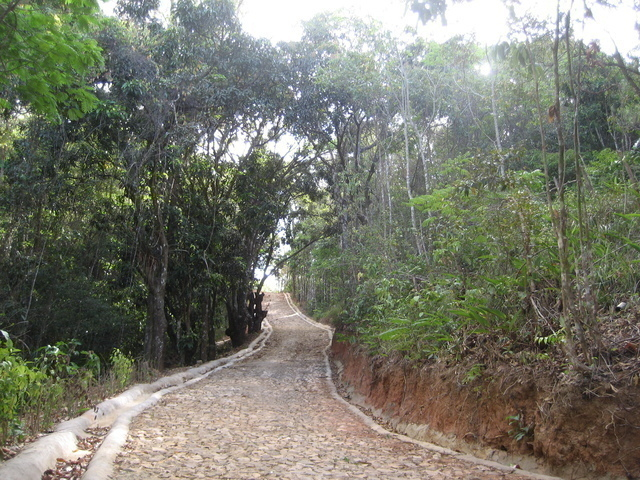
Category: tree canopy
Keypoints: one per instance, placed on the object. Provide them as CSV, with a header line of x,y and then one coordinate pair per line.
x,y
47,56
153,169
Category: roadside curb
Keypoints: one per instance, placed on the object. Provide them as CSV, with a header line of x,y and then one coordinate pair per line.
x,y
383,431
117,412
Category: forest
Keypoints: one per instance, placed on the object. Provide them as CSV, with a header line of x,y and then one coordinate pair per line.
x,y
429,198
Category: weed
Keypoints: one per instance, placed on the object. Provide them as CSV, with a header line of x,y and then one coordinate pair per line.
x,y
554,339
121,369
519,430
474,372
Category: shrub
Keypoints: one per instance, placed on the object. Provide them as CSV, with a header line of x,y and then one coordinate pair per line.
x,y
20,382
121,369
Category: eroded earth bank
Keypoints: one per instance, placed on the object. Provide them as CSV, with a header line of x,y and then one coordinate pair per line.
x,y
513,414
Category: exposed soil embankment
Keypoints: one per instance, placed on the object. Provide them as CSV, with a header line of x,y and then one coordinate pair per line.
x,y
513,414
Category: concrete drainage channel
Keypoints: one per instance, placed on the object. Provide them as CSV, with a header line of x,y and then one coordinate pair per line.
x,y
383,431
116,413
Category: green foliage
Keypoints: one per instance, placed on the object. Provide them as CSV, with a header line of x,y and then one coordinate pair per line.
x,y
55,361
391,315
19,385
473,373
93,364
46,56
121,370
488,319
553,339
60,382
166,185
519,431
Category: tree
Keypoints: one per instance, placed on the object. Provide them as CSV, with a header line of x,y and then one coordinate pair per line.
x,y
429,10
467,150
47,56
205,101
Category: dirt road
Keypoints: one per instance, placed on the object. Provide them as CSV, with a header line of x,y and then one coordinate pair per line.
x,y
274,415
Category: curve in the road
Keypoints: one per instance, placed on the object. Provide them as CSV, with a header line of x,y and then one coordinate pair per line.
x,y
278,415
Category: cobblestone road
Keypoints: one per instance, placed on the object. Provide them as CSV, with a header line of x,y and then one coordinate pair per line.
x,y
273,416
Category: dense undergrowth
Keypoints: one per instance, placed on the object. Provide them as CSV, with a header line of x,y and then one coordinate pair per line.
x,y
60,382
489,286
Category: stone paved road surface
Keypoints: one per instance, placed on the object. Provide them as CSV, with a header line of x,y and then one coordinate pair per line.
x,y
273,415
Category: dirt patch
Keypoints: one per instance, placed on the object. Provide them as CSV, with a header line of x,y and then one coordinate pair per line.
x,y
550,422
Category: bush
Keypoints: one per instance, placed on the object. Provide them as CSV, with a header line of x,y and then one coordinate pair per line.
x,y
20,384
121,369
35,395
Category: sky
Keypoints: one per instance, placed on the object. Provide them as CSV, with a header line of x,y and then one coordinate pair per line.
x,y
281,20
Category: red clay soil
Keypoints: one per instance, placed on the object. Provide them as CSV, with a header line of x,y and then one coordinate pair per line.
x,y
548,422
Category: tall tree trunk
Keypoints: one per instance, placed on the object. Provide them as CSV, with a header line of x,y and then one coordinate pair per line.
x,y
154,263
560,218
387,189
156,325
496,128
584,265
406,114
414,220
237,316
206,328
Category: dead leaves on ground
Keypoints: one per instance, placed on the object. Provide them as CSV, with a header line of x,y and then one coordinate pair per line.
x,y
74,469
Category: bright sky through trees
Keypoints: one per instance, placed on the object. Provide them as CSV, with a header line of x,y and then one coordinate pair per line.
x,y
281,20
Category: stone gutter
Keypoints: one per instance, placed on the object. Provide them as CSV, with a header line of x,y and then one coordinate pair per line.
x,y
116,413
